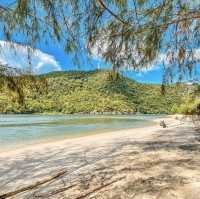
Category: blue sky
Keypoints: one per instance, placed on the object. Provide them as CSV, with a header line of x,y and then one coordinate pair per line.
x,y
51,57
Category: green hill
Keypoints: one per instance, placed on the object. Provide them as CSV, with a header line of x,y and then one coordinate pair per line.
x,y
91,92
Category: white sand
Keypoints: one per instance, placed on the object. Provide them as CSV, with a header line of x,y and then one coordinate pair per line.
x,y
156,163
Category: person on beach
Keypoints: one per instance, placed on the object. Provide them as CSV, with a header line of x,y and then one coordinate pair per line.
x,y
163,124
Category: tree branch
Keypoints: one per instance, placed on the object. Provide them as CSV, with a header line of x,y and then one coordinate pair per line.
x,y
30,187
103,5
161,26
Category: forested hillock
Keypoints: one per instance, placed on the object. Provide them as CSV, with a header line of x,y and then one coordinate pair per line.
x,y
94,92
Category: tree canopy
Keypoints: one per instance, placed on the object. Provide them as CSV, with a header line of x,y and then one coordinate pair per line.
x,y
126,33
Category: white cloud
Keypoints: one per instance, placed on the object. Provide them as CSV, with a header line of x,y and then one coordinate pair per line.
x,y
15,55
102,45
96,53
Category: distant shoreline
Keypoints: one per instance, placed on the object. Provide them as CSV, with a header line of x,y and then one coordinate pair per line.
x,y
49,142
88,114
67,135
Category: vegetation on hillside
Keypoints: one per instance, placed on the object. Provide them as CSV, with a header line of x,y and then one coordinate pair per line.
x,y
93,92
190,104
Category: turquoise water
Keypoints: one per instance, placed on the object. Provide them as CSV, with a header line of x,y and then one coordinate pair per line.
x,y
17,130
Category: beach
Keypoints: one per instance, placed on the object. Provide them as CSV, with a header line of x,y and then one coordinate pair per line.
x,y
147,162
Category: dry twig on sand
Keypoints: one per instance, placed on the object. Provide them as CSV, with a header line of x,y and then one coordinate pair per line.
x,y
99,188
33,186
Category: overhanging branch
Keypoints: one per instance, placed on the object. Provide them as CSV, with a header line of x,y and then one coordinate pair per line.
x,y
103,5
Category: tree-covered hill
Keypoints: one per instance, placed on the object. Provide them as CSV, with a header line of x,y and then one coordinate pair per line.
x,y
92,92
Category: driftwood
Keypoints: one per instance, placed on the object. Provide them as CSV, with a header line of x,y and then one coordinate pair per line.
x,y
99,188
30,187
57,191
49,179
38,183
52,193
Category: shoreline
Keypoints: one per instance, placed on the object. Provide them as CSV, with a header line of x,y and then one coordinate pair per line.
x,y
87,114
51,140
84,137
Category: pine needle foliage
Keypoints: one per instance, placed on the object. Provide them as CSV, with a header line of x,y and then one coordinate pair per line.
x,y
128,33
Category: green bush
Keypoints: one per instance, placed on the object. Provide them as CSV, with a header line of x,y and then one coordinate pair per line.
x,y
189,107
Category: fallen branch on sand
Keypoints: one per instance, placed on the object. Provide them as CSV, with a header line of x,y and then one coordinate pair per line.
x,y
30,187
99,188
57,191
44,181
52,193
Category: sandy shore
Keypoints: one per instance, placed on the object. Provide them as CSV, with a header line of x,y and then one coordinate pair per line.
x,y
146,163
